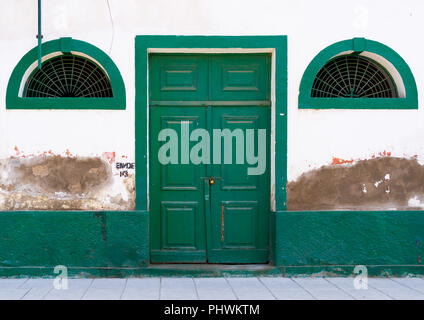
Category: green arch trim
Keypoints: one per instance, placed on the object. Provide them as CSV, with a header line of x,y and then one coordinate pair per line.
x,y
358,45
66,45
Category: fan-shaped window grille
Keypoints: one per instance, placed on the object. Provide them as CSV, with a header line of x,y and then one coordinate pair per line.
x,y
353,76
68,76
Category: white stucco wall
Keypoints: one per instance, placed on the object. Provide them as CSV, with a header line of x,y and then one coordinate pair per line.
x,y
314,137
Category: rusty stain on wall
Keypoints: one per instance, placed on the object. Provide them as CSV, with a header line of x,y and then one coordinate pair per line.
x,y
55,182
341,161
382,183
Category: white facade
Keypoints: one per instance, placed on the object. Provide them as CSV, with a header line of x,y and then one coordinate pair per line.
x,y
314,136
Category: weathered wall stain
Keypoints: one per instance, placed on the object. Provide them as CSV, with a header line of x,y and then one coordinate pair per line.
x,y
63,174
376,184
54,182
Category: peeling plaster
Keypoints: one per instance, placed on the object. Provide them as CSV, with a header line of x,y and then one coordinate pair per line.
x,y
56,182
380,183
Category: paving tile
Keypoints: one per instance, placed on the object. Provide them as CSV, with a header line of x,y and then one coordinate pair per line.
x,y
37,293
105,283
105,289
413,283
103,294
79,283
67,294
359,294
75,291
12,283
214,289
142,289
140,294
37,283
321,289
12,293
286,289
147,283
250,289
177,289
394,289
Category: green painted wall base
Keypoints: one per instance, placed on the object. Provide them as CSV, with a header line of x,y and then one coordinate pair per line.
x,y
116,244
32,243
387,242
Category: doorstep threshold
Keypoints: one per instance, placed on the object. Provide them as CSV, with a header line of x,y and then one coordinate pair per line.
x,y
212,270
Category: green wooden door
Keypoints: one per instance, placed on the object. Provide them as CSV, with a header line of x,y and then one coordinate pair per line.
x,y
212,209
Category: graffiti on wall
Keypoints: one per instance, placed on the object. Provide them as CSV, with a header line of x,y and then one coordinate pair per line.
x,y
124,168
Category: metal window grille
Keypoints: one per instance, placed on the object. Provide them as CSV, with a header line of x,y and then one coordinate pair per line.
x,y
68,76
353,76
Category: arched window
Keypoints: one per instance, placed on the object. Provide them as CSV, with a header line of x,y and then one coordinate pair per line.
x,y
69,76
358,74
74,75
353,76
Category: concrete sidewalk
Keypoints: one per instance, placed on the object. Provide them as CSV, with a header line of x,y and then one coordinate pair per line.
x,y
255,288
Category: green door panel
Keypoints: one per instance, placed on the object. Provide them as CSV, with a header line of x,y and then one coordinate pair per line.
x,y
240,206
234,233
174,215
178,77
240,77
176,193
192,220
